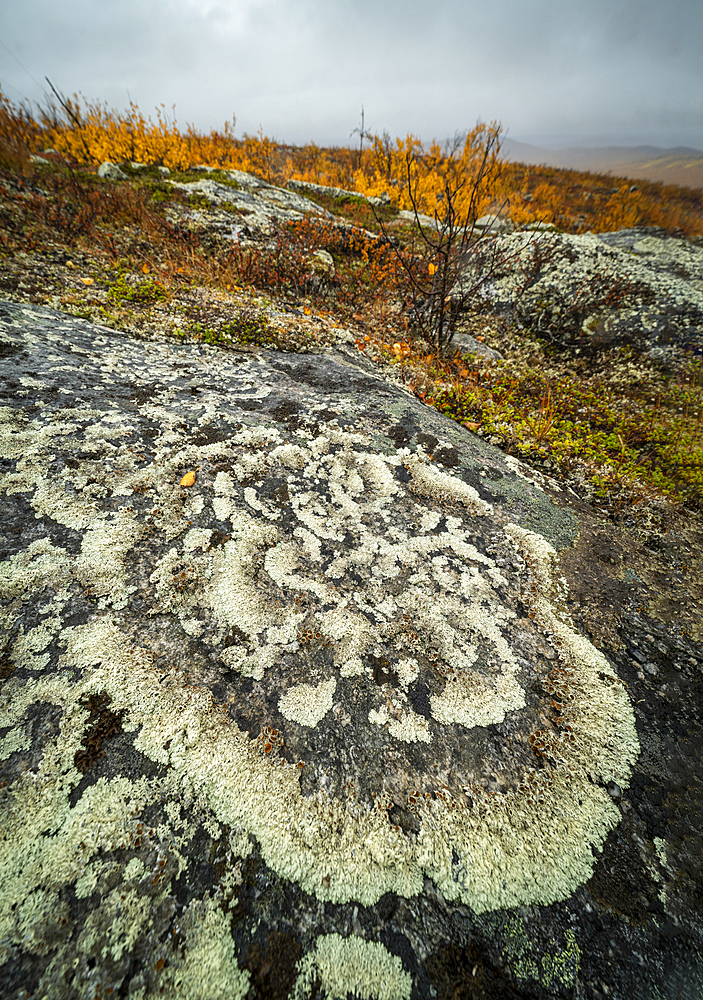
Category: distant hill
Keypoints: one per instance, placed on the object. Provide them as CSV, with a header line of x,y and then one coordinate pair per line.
x,y
681,165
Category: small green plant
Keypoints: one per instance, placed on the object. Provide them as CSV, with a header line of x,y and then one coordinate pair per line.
x,y
161,194
243,328
80,312
222,177
250,328
200,201
145,292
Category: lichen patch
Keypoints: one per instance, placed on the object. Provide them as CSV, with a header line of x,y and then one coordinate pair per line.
x,y
401,636
336,962
307,705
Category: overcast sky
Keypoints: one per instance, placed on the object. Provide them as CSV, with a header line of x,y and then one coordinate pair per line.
x,y
553,72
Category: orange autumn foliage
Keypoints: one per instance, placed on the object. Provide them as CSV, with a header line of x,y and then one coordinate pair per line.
x,y
575,201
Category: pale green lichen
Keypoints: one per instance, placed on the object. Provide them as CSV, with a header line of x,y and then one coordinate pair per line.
x,y
134,871
37,917
533,844
13,741
428,480
130,913
47,844
662,858
530,476
351,965
363,856
403,724
208,968
307,704
29,647
38,566
407,671
87,883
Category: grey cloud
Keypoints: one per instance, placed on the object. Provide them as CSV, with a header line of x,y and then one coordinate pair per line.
x,y
601,72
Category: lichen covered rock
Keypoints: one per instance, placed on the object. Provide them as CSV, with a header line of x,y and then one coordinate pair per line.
x,y
273,629
637,287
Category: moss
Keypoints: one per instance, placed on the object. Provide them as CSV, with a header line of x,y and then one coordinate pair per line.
x,y
246,327
200,201
142,292
161,194
191,176
636,430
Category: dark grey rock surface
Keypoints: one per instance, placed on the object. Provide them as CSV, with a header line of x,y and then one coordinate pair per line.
x,y
307,691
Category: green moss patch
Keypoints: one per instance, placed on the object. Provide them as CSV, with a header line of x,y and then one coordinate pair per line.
x,y
626,433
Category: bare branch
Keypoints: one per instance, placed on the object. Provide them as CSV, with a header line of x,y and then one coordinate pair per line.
x,y
437,278
75,119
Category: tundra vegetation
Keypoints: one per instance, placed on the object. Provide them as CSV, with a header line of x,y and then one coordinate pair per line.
x,y
619,428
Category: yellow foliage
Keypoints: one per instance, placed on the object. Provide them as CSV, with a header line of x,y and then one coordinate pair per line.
x,y
415,176
412,174
94,133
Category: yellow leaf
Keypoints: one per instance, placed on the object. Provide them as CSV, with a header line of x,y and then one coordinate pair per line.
x,y
188,479
432,268
145,269
307,311
87,281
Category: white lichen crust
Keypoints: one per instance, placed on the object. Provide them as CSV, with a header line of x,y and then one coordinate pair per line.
x,y
347,553
336,963
307,705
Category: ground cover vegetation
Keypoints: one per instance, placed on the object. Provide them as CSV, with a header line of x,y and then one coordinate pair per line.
x,y
618,428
